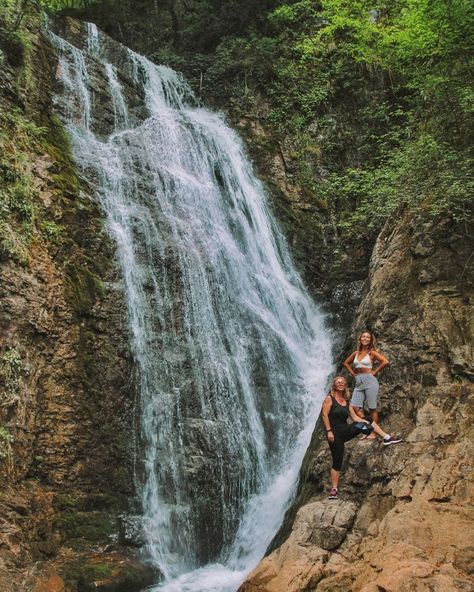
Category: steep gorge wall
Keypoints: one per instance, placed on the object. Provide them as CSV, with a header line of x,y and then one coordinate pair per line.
x,y
67,392
402,520
70,472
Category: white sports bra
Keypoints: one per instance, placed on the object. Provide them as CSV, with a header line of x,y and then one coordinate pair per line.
x,y
366,362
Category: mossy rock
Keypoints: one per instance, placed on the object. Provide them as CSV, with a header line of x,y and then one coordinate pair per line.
x,y
84,288
12,45
92,502
58,146
65,502
82,528
109,573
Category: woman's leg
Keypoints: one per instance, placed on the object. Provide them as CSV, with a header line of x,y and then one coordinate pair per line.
x,y
341,435
372,391
337,453
358,396
378,430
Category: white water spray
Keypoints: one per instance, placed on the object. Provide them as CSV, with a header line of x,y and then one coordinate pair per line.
x,y
232,356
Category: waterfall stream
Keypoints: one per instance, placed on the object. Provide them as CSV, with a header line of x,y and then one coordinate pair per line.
x,y
231,354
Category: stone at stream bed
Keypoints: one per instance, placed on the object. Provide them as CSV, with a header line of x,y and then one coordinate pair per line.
x,y
299,563
108,572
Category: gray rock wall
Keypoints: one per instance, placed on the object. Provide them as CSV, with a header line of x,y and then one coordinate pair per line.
x,y
406,509
66,388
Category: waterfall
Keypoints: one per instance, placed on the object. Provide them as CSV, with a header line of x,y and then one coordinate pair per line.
x,y
230,352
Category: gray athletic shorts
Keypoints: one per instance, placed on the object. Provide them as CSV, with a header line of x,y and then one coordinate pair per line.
x,y
366,389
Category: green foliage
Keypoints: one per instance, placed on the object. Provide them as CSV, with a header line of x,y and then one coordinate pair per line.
x,y
427,43
59,5
14,12
5,435
6,440
15,41
8,11
403,71
297,13
11,366
423,175
18,196
239,61
51,230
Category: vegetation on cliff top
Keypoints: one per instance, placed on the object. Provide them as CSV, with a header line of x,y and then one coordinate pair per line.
x,y
374,99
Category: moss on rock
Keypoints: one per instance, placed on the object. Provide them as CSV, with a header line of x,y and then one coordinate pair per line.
x,y
80,529
108,573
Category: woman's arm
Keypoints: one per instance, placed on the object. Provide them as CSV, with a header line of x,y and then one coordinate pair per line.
x,y
382,362
354,416
325,416
348,362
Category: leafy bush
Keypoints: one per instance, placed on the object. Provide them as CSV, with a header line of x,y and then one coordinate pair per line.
x,y
11,366
378,97
6,440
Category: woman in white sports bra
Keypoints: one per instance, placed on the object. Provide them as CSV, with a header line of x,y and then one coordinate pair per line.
x,y
360,364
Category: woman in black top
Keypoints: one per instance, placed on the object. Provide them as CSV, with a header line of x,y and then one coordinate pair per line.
x,y
335,412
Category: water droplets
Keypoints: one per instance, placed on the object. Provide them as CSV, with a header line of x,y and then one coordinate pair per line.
x,y
222,331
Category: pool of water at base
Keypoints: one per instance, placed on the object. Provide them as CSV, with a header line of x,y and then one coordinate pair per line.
x,y
210,578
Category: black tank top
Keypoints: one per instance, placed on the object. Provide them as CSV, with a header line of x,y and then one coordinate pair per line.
x,y
338,414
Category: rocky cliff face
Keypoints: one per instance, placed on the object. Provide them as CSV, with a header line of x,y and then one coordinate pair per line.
x,y
67,397
402,520
333,264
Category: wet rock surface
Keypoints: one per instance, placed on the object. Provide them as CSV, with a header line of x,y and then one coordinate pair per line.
x,y
402,520
105,571
334,265
102,571
102,107
412,502
67,398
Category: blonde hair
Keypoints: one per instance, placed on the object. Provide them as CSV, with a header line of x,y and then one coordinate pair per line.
x,y
372,341
332,392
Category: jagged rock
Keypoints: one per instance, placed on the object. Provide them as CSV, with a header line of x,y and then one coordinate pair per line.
x,y
328,524
52,582
413,502
67,411
300,562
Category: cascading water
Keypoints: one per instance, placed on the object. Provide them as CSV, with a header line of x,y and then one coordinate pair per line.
x,y
231,354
